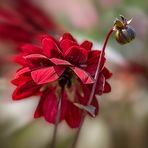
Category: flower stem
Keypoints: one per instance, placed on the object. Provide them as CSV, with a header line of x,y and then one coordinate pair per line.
x,y
78,132
53,142
93,88
98,67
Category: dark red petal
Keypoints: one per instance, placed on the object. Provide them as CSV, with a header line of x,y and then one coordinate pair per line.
x,y
57,61
50,48
26,89
20,60
38,60
22,71
83,75
31,49
100,85
76,55
40,37
107,87
66,44
92,64
21,79
73,115
35,56
106,73
46,75
67,36
39,110
93,53
87,45
50,106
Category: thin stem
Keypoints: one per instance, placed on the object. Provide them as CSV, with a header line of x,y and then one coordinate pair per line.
x,y
93,88
78,132
53,142
98,67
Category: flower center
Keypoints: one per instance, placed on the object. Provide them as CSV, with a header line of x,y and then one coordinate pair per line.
x,y
65,79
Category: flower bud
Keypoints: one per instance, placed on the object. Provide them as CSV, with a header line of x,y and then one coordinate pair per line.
x,y
123,32
126,35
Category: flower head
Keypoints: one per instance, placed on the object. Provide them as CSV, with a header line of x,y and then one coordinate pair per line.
x,y
60,68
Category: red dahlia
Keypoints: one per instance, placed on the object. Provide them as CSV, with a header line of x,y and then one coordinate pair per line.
x,y
60,67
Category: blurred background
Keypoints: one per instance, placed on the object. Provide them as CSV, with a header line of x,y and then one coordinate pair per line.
x,y
123,118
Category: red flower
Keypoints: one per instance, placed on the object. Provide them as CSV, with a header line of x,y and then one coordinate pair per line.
x,y
21,20
60,65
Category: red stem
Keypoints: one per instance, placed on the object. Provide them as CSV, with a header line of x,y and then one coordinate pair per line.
x,y
98,67
53,142
93,88
74,144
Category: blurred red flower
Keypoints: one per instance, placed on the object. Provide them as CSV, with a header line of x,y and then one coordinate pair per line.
x,y
60,65
20,20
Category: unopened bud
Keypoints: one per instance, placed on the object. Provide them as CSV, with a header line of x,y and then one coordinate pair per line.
x,y
123,32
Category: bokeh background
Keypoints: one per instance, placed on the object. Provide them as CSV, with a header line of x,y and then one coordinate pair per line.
x,y
123,118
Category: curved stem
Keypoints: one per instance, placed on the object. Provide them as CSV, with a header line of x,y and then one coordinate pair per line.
x,y
94,86
53,142
98,67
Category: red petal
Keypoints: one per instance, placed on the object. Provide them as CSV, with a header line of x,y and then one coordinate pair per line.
x,y
20,60
26,89
39,110
50,106
106,73
40,37
93,53
38,60
35,56
31,49
76,55
20,80
73,115
92,65
57,61
100,85
50,48
66,44
46,75
107,87
83,75
87,45
67,36
22,71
